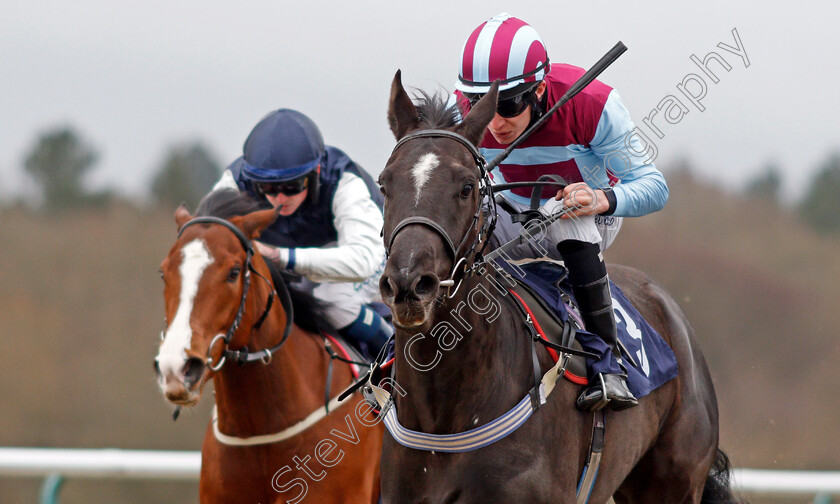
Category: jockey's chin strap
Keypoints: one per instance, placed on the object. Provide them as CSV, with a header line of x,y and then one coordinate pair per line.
x,y
243,355
467,255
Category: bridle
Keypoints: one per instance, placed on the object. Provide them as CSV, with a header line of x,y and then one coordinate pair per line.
x,y
463,264
243,355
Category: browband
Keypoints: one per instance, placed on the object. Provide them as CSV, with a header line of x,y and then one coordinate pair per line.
x,y
246,243
439,133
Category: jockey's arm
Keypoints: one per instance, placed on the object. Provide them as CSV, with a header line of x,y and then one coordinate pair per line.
x,y
642,188
359,251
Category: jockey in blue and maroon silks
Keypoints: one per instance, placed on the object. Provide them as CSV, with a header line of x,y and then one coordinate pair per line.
x,y
328,227
590,142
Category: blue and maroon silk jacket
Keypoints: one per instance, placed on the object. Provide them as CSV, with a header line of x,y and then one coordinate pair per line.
x,y
589,139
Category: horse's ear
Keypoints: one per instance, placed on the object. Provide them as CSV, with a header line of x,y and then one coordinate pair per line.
x,y
182,215
480,116
402,114
255,222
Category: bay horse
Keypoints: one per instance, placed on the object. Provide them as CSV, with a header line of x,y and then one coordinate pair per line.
x,y
270,418
479,366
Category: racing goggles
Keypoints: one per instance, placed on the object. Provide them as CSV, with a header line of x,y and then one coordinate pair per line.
x,y
507,108
287,188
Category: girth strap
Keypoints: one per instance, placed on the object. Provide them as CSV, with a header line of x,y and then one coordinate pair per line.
x,y
593,459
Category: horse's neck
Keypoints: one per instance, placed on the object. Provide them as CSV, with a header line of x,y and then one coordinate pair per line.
x,y
450,388
256,398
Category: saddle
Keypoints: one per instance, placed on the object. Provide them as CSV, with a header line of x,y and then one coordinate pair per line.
x,y
543,296
551,327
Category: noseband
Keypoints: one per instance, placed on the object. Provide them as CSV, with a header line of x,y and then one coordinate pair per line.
x,y
243,356
463,264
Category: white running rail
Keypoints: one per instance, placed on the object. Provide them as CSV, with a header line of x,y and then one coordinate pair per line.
x,y
102,463
185,465
786,482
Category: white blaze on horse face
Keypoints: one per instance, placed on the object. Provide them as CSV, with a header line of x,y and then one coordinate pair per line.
x,y
421,172
172,355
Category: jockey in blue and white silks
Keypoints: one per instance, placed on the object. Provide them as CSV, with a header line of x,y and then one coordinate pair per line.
x,y
329,223
590,142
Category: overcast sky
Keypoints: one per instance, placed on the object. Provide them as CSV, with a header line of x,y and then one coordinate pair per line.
x,y
138,77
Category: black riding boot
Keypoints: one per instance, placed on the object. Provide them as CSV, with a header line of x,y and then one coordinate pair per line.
x,y
591,287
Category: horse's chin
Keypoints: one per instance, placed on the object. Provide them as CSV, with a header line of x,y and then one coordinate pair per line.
x,y
177,394
190,402
411,314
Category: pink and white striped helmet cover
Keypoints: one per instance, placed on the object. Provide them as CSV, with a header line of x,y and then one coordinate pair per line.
x,y
504,48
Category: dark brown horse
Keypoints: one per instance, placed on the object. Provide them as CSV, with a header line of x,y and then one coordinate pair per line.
x,y
663,451
271,440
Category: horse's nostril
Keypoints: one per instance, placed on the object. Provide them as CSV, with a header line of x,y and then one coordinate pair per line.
x,y
193,370
386,287
427,285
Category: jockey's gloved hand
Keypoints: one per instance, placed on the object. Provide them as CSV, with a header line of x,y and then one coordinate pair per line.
x,y
581,199
554,207
278,255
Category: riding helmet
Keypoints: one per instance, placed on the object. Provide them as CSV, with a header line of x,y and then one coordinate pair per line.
x,y
283,146
506,49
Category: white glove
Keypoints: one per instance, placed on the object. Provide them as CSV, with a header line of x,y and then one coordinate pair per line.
x,y
553,207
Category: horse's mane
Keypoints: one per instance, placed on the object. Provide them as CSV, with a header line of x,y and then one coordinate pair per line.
x,y
228,203
434,110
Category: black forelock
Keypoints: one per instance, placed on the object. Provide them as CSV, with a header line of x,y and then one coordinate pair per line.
x,y
434,111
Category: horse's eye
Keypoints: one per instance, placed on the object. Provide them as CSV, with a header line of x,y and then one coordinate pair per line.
x,y
160,272
234,274
382,190
466,190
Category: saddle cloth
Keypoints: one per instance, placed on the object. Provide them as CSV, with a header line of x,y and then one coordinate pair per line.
x,y
654,361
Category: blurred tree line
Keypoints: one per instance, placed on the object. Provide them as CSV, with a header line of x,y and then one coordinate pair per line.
x,y
60,158
187,173
820,207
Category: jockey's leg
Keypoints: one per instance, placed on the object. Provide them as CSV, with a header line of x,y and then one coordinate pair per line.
x,y
369,327
350,314
591,287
